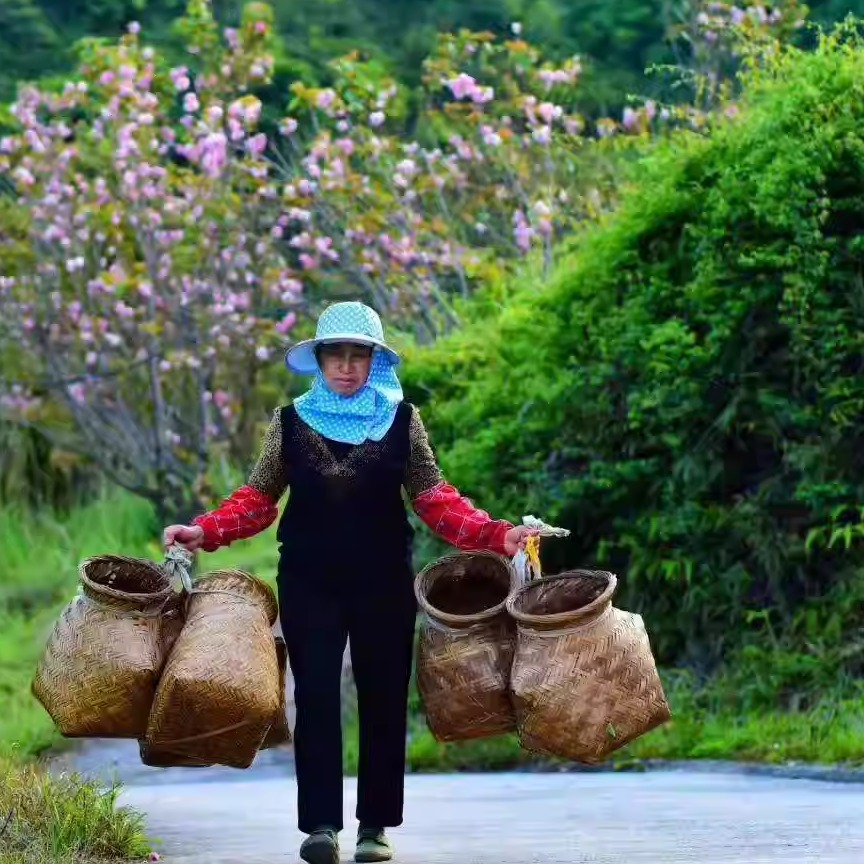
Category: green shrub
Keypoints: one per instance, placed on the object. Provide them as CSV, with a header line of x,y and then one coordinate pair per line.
x,y
685,394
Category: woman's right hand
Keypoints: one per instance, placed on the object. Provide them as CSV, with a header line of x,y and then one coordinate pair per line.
x,y
188,536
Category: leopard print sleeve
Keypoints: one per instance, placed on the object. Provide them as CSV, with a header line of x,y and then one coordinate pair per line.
x,y
269,475
423,472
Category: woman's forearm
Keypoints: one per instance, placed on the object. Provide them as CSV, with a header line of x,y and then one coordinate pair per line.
x,y
455,519
442,507
245,513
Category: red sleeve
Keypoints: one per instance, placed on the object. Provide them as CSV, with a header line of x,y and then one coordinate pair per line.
x,y
245,513
459,522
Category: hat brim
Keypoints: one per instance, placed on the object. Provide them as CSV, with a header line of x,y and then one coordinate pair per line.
x,y
301,357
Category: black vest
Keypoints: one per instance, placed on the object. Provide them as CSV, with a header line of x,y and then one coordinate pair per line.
x,y
344,500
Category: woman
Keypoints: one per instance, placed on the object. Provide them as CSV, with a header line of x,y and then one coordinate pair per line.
x,y
346,449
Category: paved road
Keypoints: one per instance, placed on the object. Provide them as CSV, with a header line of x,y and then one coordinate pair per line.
x,y
663,817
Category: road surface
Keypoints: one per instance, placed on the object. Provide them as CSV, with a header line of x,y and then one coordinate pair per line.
x,y
224,816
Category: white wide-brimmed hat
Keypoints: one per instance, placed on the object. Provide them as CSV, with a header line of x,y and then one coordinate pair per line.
x,y
341,322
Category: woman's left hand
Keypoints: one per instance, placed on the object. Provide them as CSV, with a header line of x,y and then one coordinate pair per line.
x,y
515,538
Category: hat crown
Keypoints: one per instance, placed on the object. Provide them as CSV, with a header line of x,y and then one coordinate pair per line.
x,y
349,318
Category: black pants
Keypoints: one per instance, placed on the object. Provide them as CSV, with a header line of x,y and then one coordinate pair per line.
x,y
373,607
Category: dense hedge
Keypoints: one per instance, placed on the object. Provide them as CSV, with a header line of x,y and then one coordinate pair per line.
x,y
686,394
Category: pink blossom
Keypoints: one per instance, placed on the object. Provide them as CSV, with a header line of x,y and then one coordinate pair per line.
x,y
262,353
377,118
134,28
461,86
490,137
630,119
106,78
191,103
252,112
549,112
324,245
286,323
551,77
235,129
542,135
214,154
257,144
23,176
521,231
288,127
482,94
325,99
260,27
346,145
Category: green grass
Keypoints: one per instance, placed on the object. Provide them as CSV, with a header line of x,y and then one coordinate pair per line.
x,y
63,820
829,733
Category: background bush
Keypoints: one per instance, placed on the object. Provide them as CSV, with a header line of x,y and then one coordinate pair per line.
x,y
686,393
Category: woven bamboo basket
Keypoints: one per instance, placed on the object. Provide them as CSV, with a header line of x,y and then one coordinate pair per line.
x,y
466,646
100,668
220,689
278,734
584,681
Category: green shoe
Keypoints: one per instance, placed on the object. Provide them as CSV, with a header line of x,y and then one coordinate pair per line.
x,y
321,847
372,845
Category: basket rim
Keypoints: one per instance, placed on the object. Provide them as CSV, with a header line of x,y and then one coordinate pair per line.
x,y
270,605
127,596
450,618
561,619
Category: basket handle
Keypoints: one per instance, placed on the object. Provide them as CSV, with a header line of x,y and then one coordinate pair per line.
x,y
178,564
526,562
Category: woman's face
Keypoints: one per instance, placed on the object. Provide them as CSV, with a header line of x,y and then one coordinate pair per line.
x,y
345,366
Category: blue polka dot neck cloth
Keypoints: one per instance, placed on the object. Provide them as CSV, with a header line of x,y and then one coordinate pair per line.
x,y
367,415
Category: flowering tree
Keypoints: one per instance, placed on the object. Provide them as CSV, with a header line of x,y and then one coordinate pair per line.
x,y
491,175
714,38
159,245
142,292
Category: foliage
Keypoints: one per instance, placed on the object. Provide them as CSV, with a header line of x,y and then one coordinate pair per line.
x,y
492,173
63,819
685,393
616,41
158,244
141,290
